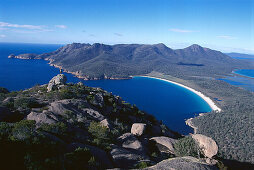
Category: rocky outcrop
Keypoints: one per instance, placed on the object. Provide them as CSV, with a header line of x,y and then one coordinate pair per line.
x,y
207,145
182,163
98,100
138,129
44,117
128,140
105,123
164,144
123,157
56,82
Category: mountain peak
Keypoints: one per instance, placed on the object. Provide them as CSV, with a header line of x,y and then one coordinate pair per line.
x,y
195,46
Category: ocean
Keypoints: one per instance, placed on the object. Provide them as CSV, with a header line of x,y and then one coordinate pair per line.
x,y
166,101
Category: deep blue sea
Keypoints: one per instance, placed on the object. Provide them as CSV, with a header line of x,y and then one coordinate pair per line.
x,y
167,102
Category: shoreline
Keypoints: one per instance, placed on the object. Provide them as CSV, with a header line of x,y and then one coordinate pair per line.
x,y
241,75
205,98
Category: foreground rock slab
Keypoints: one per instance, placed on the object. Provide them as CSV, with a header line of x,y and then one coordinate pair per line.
x,y
206,144
165,144
182,163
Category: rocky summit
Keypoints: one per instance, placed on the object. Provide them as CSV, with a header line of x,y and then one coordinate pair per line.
x,y
57,82
72,126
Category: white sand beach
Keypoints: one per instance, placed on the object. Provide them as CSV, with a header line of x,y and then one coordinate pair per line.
x,y
205,98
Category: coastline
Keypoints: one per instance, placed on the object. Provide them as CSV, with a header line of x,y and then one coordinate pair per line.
x,y
188,121
205,98
241,75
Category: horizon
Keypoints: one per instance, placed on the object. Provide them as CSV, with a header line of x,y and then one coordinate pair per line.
x,y
226,52
177,24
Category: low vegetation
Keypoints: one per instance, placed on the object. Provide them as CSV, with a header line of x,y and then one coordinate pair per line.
x,y
187,147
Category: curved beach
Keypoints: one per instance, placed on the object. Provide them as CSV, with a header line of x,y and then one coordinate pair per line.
x,y
205,98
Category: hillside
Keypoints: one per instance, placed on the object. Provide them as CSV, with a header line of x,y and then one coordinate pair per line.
x,y
75,127
99,61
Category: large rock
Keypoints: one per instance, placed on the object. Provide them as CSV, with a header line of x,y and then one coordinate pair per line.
x,y
125,158
94,114
165,144
71,108
128,140
98,100
44,117
207,145
182,163
138,129
105,123
56,81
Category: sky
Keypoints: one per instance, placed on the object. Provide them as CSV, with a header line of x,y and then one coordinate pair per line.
x,y
226,25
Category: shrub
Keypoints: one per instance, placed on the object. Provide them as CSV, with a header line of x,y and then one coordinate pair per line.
x,y
187,147
4,90
26,103
5,130
142,165
58,128
81,158
100,134
23,130
66,93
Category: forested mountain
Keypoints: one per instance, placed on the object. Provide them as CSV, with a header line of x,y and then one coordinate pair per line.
x,y
99,61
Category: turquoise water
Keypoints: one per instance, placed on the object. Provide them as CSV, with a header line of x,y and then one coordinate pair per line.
x,y
167,102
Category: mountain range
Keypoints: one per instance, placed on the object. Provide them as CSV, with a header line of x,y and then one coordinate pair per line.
x,y
100,61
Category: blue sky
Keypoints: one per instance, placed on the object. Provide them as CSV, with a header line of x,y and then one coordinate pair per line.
x,y
226,25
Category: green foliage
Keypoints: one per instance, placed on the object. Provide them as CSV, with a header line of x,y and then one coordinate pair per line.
x,y
142,165
58,128
26,103
23,130
81,158
101,135
187,147
221,166
5,130
119,128
4,90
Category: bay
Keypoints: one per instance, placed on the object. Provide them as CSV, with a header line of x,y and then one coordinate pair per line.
x,y
166,101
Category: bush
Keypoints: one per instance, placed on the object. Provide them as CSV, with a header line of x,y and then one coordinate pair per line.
x,y
26,103
23,130
99,133
5,130
187,147
58,128
142,165
4,90
81,158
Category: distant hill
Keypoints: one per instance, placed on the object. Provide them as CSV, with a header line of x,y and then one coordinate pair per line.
x,y
100,61
240,56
